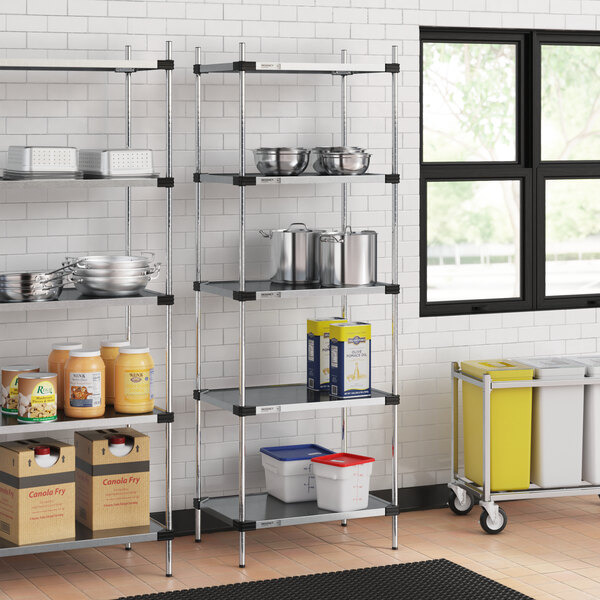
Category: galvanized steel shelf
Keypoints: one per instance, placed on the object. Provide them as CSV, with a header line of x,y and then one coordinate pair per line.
x,y
262,400
256,511
82,64
85,538
70,298
302,179
466,492
244,66
263,290
85,182
111,419
264,511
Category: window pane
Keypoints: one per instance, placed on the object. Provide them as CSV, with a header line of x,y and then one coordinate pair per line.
x,y
473,240
572,237
469,102
570,102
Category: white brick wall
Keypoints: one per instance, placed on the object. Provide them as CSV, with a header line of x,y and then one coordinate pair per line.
x,y
86,110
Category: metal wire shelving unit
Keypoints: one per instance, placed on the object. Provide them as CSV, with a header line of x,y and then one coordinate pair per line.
x,y
70,298
464,493
246,512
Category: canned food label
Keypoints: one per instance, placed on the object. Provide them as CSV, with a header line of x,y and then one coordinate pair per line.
x,y
138,384
10,400
40,405
85,389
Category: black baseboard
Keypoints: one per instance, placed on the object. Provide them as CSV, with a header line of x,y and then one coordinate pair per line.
x,y
423,497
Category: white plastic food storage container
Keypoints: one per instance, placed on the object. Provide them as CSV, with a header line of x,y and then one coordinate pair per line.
x,y
557,423
342,481
289,471
591,421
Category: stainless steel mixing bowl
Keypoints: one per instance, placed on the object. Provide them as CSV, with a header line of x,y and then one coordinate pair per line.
x,y
281,161
319,151
346,163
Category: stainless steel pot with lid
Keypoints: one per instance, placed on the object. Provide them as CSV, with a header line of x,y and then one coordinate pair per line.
x,y
348,258
294,254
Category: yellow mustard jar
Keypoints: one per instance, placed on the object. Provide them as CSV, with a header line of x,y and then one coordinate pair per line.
x,y
134,375
109,351
84,385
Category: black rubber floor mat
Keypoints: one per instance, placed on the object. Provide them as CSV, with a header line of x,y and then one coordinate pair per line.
x,y
427,580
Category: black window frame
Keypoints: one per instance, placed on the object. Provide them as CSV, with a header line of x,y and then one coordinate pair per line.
x,y
528,168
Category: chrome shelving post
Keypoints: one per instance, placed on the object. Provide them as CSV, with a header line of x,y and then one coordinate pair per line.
x,y
169,291
198,230
242,338
344,140
395,315
128,192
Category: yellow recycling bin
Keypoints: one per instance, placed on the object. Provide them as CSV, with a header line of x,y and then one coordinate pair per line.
x,y
510,425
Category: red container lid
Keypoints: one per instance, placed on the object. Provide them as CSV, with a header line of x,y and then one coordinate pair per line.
x,y
343,459
41,450
117,439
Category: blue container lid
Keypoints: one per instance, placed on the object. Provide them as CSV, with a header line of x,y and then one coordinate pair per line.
x,y
299,452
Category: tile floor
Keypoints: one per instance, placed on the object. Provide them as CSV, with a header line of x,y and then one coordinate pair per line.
x,y
550,549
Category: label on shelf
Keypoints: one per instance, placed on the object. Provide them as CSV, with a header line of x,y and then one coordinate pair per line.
x,y
269,180
269,295
262,66
268,409
267,524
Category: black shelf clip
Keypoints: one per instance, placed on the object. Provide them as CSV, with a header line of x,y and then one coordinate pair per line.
x,y
392,178
167,64
165,417
244,411
166,182
243,296
165,300
392,288
197,178
392,510
197,286
244,525
197,70
197,394
243,180
197,503
392,400
244,65
165,535
392,67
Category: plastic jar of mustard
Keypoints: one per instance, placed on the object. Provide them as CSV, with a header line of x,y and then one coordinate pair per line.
x,y
37,397
10,387
134,375
109,351
57,359
84,385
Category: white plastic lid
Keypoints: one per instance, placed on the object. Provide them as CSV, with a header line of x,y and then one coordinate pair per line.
x,y
592,364
67,346
554,367
88,354
117,344
134,350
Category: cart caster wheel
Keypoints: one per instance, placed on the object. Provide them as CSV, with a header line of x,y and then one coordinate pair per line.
x,y
489,526
459,508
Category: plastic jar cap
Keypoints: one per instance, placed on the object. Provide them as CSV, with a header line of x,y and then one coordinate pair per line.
x,y
117,344
41,450
80,354
116,439
67,346
132,350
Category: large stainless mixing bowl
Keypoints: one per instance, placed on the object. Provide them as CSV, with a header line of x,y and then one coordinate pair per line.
x,y
346,163
319,151
281,161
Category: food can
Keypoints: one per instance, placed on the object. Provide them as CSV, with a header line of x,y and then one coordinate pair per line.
x,y
38,394
10,386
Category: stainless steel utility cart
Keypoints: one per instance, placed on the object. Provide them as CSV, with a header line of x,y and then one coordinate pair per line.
x,y
257,511
464,492
71,299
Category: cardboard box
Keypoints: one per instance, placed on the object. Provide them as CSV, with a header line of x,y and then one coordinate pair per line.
x,y
37,504
113,492
317,352
350,359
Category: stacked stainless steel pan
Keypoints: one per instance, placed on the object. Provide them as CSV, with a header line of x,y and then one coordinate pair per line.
x,y
113,276
31,286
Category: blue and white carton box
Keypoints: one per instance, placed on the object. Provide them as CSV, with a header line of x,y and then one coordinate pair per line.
x,y
317,352
350,359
